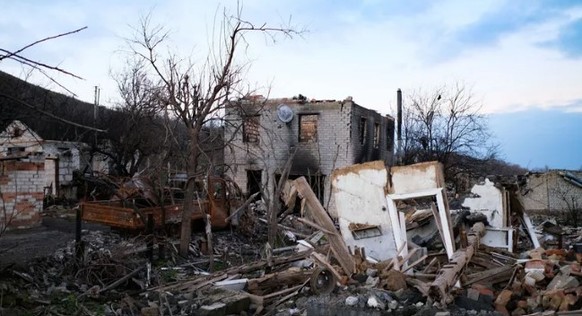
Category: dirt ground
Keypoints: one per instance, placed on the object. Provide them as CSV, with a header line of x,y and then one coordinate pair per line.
x,y
19,247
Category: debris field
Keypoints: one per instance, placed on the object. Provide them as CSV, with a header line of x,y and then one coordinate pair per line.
x,y
394,247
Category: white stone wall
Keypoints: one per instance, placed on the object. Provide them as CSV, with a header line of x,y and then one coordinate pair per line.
x,y
68,155
488,200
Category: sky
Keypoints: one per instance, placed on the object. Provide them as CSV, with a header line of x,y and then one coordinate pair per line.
x,y
521,58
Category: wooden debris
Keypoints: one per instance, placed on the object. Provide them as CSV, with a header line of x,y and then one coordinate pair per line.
x,y
450,273
338,246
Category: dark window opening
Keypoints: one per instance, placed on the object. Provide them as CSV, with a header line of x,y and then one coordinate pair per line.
x,y
363,130
376,135
14,150
251,129
254,182
389,138
308,127
17,132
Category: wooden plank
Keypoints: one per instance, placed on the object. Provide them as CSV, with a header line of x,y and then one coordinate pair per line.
x,y
484,262
320,216
314,225
450,273
412,265
484,275
323,261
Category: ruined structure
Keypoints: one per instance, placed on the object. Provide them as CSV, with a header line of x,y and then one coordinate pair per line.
x,y
60,158
322,135
554,190
21,193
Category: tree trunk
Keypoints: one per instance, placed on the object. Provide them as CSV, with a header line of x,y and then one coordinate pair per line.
x,y
186,228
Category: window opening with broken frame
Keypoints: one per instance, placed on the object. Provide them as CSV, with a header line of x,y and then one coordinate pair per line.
x,y
13,151
363,130
308,127
376,135
389,138
251,128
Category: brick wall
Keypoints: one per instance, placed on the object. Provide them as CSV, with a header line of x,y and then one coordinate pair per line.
x,y
21,193
336,144
550,191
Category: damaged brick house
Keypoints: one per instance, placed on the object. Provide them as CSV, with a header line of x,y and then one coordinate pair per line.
x,y
322,134
32,168
553,191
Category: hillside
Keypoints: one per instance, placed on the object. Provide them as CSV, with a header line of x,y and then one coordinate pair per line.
x,y
42,99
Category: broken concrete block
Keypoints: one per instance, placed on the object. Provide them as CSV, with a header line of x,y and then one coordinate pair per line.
x,y
569,299
536,254
562,282
518,312
393,304
215,309
442,314
533,302
516,286
502,310
553,299
575,267
503,298
351,300
372,282
393,280
473,294
537,265
483,290
234,302
375,302
531,290
150,311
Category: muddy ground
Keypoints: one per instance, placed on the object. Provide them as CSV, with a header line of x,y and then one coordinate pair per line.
x,y
20,247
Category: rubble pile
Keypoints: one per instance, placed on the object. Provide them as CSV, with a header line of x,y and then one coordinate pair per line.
x,y
422,261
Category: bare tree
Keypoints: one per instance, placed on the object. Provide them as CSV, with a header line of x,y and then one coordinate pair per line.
x,y
446,125
196,94
135,129
568,198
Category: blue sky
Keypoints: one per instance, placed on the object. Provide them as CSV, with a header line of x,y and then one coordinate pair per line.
x,y
536,138
521,58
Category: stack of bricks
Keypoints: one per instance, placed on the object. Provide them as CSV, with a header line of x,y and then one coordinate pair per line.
x,y
21,193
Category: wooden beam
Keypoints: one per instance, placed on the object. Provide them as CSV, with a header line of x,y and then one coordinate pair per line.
x,y
321,218
451,272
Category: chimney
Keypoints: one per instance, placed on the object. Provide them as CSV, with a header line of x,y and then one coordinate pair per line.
x,y
399,116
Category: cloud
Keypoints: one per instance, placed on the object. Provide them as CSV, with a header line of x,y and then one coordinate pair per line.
x,y
514,53
569,40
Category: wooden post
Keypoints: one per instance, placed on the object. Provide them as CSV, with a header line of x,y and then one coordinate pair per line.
x,y
78,229
150,237
209,243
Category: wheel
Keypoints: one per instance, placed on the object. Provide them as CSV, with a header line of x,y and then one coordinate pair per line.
x,y
322,281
